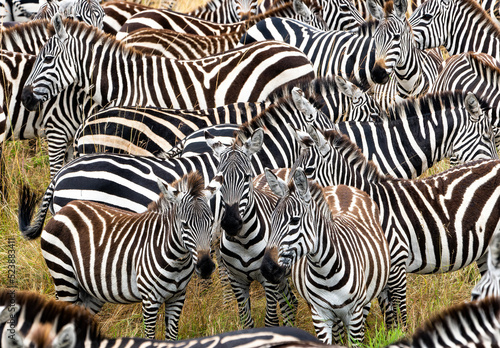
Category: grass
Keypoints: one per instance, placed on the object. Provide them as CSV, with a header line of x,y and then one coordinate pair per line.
x,y
204,312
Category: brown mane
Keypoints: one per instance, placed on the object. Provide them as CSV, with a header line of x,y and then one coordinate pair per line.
x,y
34,303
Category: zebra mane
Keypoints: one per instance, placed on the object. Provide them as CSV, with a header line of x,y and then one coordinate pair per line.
x,y
34,303
192,183
428,103
485,313
354,156
19,30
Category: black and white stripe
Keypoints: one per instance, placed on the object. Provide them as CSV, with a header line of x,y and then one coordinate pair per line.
x,y
119,76
163,245
226,11
489,284
332,240
117,13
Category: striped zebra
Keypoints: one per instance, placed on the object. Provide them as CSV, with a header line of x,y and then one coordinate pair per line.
x,y
150,131
458,25
489,284
477,73
117,13
47,10
316,230
25,37
225,11
421,132
431,224
350,54
88,11
34,316
410,70
215,81
245,222
165,245
57,120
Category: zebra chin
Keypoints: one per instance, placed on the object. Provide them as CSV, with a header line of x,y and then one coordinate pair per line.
x,y
30,102
270,268
205,265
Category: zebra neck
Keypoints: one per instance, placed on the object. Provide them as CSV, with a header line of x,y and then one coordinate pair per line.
x,y
471,31
410,76
324,254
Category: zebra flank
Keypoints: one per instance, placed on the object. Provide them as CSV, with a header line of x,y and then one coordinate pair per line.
x,y
458,25
175,232
332,240
203,83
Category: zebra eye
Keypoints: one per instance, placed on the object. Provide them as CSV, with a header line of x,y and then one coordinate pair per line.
x,y
397,37
185,225
427,16
295,220
48,59
248,177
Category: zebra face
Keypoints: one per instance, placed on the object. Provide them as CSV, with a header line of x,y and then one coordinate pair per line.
x,y
245,9
53,71
428,23
362,106
345,14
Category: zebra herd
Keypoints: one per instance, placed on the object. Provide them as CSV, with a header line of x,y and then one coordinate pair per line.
x,y
284,139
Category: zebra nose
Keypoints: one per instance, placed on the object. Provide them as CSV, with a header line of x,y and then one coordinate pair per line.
x,y
231,220
379,73
28,99
270,268
205,265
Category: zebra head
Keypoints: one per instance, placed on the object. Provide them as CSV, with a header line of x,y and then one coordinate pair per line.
x,y
193,217
341,14
90,12
429,23
362,106
245,9
53,71
477,135
489,285
392,39
235,166
292,225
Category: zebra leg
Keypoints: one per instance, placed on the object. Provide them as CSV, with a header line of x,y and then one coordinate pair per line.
x,y
242,293
397,294
327,329
90,302
356,327
173,309
386,308
58,143
288,303
272,294
150,307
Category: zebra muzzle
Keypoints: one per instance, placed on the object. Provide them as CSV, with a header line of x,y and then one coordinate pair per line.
x,y
29,100
379,72
205,265
231,221
270,268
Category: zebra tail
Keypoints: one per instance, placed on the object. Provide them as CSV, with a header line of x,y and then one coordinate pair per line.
x,y
27,204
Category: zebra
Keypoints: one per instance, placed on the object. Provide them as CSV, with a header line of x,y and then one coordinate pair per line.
x,y
88,11
489,284
47,10
117,13
25,37
458,25
317,230
150,131
33,315
198,84
181,219
58,119
182,23
412,71
225,11
348,54
245,222
411,209
455,125
478,73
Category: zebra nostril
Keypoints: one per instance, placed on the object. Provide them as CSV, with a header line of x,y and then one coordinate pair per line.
x,y
28,99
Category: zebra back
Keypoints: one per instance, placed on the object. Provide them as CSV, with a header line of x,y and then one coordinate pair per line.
x,y
117,13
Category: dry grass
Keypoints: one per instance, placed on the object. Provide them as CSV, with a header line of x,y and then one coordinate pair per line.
x,y
204,312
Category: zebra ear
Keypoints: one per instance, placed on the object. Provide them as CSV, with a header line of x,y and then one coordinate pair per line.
x,y
303,104
170,193
216,145
66,338
473,107
319,139
375,9
254,144
302,185
302,137
213,186
277,185
59,27
346,87
12,338
7,312
400,8
301,9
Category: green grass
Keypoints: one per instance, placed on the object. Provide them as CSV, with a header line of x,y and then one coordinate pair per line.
x,y
204,312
